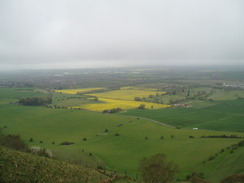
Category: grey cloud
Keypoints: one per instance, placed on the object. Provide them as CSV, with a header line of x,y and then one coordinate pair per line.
x,y
121,31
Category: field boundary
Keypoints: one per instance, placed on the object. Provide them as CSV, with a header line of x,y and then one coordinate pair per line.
x,y
154,121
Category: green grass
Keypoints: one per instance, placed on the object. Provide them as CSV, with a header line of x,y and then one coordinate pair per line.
x,y
224,115
121,153
8,95
219,168
23,167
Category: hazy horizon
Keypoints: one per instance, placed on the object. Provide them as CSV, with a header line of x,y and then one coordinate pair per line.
x,y
63,34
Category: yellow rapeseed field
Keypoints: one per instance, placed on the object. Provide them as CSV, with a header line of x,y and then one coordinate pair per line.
x,y
75,91
123,98
113,103
126,94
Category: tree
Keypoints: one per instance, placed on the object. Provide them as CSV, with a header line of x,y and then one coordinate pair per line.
x,y
156,169
142,106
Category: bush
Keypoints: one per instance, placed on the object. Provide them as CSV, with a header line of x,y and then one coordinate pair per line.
x,y
85,139
40,151
117,134
66,143
211,158
13,142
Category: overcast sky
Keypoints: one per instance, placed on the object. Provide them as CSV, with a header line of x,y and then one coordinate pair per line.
x,y
84,33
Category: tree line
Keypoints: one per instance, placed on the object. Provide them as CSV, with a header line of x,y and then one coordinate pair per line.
x,y
35,101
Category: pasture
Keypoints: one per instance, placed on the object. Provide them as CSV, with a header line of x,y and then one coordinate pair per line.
x,y
137,138
221,115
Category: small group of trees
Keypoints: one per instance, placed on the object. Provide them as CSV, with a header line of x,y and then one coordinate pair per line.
x,y
142,106
35,101
151,98
114,110
221,136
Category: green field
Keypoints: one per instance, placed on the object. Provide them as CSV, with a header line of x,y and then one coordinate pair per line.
x,y
138,138
222,115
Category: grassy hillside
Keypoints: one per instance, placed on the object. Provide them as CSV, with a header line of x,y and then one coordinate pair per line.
x,y
227,162
224,115
22,167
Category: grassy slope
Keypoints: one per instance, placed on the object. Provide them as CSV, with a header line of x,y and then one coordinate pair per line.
x,y
23,167
224,115
224,164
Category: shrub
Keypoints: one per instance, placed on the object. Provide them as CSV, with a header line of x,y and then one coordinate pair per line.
x,y
13,142
211,158
40,151
85,139
117,134
66,143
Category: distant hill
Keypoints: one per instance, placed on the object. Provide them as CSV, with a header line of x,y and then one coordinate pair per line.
x,y
21,167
